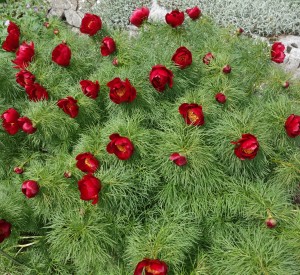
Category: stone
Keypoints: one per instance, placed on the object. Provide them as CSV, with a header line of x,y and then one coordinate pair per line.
x,y
292,60
60,4
74,17
73,4
56,12
157,12
290,40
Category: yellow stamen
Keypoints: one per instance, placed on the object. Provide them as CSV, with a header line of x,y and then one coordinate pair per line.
x,y
121,92
121,148
192,116
248,151
87,162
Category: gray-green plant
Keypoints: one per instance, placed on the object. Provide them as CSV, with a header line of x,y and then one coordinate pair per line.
x,y
267,18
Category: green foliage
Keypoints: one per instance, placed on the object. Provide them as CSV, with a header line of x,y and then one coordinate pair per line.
x,y
16,8
252,251
206,217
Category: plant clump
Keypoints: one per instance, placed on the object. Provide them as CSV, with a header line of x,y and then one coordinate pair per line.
x,y
175,151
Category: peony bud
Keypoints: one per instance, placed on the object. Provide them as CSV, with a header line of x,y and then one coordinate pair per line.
x,y
221,98
239,31
56,31
285,84
207,58
30,188
46,24
226,69
67,174
178,159
18,170
115,62
271,222
5,230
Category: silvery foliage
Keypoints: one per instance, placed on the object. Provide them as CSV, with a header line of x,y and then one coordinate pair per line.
x,y
266,17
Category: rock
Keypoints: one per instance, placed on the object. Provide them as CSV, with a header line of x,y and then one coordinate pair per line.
x,y
56,12
157,12
292,60
73,4
290,40
74,17
60,4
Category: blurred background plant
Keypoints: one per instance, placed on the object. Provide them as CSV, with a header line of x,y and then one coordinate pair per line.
x,y
266,18
16,8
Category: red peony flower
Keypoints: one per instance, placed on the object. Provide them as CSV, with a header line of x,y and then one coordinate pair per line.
x,y
90,24
5,230
11,42
246,147
69,106
292,126
90,88
108,46
220,97
24,55
26,125
30,188
18,170
36,92
89,187
192,113
194,13
10,115
121,91
86,162
12,27
226,69
277,52
178,159
175,18
139,15
10,121
207,58
151,267
25,78
122,147
160,76
61,55
182,57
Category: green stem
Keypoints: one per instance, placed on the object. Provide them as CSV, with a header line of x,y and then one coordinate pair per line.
x,y
12,259
286,164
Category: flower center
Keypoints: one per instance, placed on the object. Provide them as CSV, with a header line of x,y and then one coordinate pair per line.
x,y
150,270
121,148
88,163
121,91
90,24
248,151
192,116
182,58
69,106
